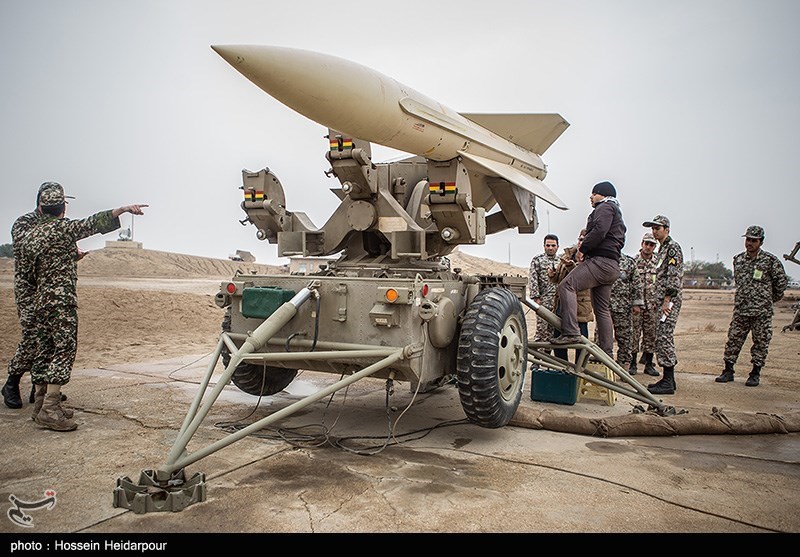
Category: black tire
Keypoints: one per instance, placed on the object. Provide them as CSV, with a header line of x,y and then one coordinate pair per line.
x,y
491,366
260,380
257,380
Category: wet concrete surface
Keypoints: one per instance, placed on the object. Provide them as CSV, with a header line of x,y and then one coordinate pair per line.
x,y
347,464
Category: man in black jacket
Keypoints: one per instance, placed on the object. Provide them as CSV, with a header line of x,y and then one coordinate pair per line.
x,y
601,248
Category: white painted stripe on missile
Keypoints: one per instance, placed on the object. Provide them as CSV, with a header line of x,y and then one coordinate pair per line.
x,y
516,176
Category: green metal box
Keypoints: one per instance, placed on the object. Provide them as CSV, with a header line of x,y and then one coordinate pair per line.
x,y
551,385
262,301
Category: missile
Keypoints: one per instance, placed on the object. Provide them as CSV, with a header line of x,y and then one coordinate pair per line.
x,y
352,98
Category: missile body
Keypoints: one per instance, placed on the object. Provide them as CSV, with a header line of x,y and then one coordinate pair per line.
x,y
342,95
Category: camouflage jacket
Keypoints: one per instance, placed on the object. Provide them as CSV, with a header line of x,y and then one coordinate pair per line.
x,y
647,272
24,290
669,270
626,291
760,282
49,256
539,284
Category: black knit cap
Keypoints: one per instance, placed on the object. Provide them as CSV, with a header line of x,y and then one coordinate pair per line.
x,y
606,189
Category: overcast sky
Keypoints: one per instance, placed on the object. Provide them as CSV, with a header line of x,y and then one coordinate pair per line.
x,y
691,108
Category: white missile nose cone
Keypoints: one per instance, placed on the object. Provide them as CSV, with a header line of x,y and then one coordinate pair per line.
x,y
232,54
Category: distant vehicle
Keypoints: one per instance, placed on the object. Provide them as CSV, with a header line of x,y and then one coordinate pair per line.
x,y
794,284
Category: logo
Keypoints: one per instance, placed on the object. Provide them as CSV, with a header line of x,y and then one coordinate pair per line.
x,y
17,514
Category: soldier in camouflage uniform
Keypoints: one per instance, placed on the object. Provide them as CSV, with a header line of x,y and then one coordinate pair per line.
x,y
644,321
760,282
669,293
24,292
542,289
48,259
626,299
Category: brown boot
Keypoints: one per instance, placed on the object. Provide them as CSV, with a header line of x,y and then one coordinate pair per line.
x,y
51,415
38,399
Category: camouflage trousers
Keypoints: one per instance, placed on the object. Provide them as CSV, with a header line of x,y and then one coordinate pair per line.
x,y
623,334
57,344
544,330
761,329
22,360
665,336
644,331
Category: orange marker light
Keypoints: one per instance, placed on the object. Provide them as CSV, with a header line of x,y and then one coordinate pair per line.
x,y
392,295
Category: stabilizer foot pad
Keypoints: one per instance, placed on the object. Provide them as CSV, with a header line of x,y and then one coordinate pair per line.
x,y
152,495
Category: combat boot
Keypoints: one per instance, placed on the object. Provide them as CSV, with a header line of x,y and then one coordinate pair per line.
x,y
666,386
726,375
38,399
649,368
52,415
11,392
32,397
755,377
632,367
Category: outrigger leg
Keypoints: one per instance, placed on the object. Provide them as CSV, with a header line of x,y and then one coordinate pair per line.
x,y
587,349
167,489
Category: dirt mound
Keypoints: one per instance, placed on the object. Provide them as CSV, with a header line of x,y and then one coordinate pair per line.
x,y
118,262
474,265
143,263
149,263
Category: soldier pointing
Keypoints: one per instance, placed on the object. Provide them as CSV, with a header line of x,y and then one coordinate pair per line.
x,y
48,259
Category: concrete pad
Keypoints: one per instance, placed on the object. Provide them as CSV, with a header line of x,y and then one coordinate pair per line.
x,y
348,463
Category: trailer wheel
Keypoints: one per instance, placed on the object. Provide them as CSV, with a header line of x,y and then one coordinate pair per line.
x,y
492,356
260,380
254,379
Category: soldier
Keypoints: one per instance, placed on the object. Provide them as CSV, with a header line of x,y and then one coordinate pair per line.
x,y
669,290
48,259
644,321
542,289
626,301
760,282
24,292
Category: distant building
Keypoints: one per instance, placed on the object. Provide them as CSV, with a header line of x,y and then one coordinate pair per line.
x,y
691,281
242,255
124,241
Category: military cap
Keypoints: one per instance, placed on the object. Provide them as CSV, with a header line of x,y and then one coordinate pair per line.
x,y
648,237
658,220
51,193
48,185
754,232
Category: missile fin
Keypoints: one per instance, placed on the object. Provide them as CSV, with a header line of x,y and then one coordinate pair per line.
x,y
516,176
535,132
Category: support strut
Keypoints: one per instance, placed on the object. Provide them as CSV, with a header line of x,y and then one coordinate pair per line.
x,y
588,350
166,488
